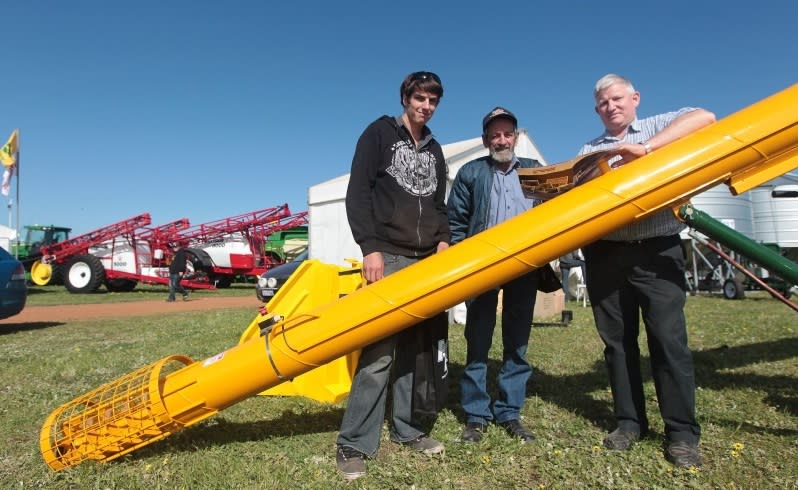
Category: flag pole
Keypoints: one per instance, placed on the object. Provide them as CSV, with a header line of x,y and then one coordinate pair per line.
x,y
19,146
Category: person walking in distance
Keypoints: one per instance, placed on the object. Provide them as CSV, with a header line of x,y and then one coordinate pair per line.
x,y
177,268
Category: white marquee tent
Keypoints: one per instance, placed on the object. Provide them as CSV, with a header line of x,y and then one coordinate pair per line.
x,y
330,239
7,236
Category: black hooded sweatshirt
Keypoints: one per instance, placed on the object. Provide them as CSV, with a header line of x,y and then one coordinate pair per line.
x,y
395,199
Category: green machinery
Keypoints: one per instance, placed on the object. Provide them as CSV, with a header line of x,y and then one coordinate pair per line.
x,y
28,250
284,245
785,272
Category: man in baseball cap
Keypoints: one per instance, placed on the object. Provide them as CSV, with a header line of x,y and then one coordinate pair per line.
x,y
496,113
486,192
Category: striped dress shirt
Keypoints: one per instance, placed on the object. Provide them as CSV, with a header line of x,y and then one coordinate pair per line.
x,y
661,223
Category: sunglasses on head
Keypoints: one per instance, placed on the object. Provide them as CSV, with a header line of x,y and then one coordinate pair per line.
x,y
424,75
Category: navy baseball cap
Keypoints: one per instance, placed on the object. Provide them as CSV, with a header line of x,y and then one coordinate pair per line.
x,y
498,112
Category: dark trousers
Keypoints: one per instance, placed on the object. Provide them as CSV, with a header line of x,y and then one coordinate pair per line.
x,y
625,279
361,425
175,286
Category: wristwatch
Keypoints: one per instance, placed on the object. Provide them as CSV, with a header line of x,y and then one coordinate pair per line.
x,y
647,146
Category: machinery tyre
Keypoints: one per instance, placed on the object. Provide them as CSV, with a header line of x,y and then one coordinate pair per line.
x,y
733,289
84,274
195,269
58,274
120,285
41,274
223,281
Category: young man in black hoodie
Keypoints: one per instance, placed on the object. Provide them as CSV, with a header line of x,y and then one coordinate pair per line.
x,y
396,210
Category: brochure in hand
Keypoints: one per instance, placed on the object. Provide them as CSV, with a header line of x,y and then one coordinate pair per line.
x,y
553,180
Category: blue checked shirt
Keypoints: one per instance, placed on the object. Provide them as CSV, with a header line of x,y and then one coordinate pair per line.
x,y
506,196
662,223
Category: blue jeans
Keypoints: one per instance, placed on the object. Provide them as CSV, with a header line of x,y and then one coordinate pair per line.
x,y
174,285
365,410
518,303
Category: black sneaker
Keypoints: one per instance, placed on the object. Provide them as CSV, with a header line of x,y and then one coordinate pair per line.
x,y
515,429
424,444
351,462
620,439
683,454
473,432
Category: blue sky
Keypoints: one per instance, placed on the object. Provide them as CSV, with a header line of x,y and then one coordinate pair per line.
x,y
204,110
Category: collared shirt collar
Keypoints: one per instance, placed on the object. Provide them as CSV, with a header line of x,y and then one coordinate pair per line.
x,y
516,163
634,127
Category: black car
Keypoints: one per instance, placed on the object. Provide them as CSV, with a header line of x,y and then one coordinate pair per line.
x,y
13,290
271,280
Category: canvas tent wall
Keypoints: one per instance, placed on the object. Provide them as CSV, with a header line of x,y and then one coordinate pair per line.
x,y
330,238
7,236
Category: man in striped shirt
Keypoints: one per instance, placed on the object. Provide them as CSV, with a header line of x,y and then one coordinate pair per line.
x,y
640,268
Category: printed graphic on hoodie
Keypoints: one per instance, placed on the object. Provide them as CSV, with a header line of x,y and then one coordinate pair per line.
x,y
414,172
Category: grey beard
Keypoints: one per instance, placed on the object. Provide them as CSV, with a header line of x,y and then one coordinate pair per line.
x,y
502,156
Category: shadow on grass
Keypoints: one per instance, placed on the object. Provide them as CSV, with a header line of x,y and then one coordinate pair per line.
x,y
9,328
571,392
218,431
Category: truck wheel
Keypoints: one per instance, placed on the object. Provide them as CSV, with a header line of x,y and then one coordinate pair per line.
x,y
733,289
84,274
120,285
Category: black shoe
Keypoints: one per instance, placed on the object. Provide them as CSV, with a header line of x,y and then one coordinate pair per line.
x,y
424,444
620,439
473,431
683,454
515,429
170,300
350,462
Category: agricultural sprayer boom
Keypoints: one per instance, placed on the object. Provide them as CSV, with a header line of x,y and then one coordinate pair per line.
x,y
60,252
163,236
241,223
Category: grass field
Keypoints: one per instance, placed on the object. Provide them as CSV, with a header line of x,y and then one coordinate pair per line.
x,y
746,355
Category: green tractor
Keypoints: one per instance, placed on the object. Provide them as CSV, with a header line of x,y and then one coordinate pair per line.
x,y
284,245
28,250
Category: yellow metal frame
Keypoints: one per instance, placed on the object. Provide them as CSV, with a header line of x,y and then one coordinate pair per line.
x,y
313,284
745,148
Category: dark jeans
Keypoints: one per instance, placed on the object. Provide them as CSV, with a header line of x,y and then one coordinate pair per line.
x,y
365,410
518,303
174,285
623,280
